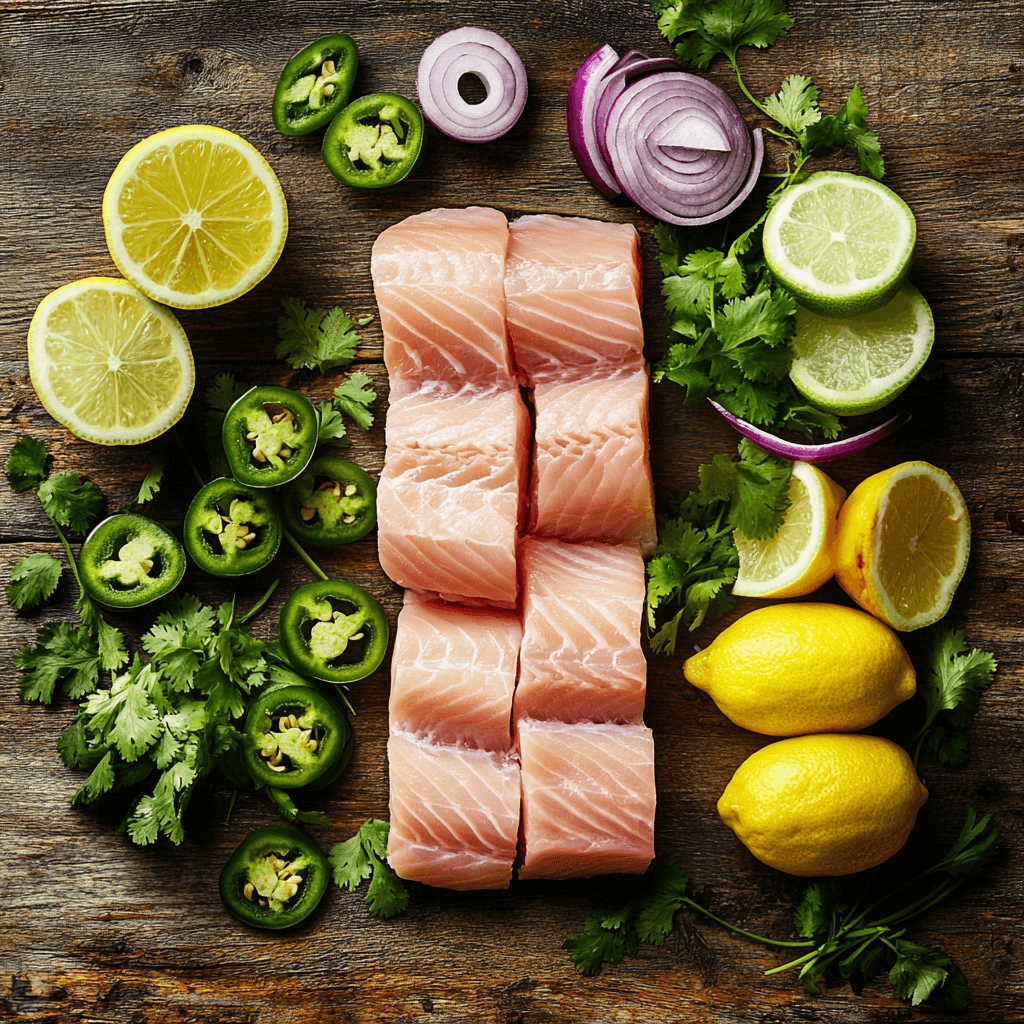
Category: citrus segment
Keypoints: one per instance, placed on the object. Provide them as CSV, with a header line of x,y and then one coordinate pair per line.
x,y
841,243
107,362
801,555
858,364
904,538
194,216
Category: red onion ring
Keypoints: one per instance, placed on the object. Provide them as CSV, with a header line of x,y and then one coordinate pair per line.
x,y
813,452
673,142
479,52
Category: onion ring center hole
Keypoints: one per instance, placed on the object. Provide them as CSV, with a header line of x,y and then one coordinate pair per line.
x,y
473,88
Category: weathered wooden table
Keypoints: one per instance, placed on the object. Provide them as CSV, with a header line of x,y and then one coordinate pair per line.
x,y
97,929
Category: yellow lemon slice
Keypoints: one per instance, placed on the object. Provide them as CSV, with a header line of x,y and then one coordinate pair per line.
x,y
111,365
194,216
904,538
802,554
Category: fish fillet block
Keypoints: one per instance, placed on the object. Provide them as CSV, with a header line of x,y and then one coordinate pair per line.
x,y
581,658
439,281
572,289
592,474
454,814
588,799
453,673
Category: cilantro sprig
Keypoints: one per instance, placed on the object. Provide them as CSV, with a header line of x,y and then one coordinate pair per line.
x,y
315,338
696,560
364,856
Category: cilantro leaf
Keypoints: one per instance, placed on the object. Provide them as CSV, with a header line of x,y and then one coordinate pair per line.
x,y
707,27
71,501
795,105
150,485
974,848
363,856
846,129
918,971
223,394
27,464
33,580
331,426
354,398
313,338
63,653
109,639
815,916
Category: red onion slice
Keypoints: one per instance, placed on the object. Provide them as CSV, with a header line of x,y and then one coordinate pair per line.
x,y
813,452
479,52
581,118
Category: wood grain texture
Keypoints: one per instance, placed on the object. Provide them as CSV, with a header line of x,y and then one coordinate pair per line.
x,y
96,929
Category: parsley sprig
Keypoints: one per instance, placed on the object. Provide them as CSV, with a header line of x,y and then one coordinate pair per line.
x,y
696,560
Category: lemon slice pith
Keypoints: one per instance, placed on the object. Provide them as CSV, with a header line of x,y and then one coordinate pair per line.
x,y
107,362
194,216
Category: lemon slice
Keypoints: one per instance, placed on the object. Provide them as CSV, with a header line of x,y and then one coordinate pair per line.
x,y
904,538
840,243
111,365
802,554
194,216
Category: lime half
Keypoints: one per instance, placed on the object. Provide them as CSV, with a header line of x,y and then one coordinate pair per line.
x,y
840,243
111,365
858,364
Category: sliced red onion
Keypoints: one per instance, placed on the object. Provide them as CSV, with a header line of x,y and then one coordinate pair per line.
x,y
813,452
479,52
673,142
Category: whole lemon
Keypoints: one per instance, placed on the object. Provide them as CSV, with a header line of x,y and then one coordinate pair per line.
x,y
830,804
790,669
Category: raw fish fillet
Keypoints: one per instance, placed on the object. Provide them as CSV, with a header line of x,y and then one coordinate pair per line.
x,y
439,281
453,672
591,472
572,290
581,658
588,799
454,814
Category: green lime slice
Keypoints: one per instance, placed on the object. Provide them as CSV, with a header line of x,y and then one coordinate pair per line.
x,y
840,243
857,364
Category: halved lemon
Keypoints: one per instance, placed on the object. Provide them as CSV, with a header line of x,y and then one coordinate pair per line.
x,y
194,216
802,554
107,362
904,538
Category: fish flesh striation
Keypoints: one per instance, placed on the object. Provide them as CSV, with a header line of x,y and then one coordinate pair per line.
x,y
581,658
588,799
453,672
591,472
454,814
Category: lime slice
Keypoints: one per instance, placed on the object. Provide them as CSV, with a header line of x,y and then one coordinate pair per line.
x,y
801,556
111,365
857,364
194,216
840,243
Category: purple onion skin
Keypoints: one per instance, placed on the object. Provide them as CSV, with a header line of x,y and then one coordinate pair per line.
x,y
586,81
812,452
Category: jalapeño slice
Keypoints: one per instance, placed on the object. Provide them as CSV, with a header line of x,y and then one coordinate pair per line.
x,y
231,529
269,435
376,141
334,631
275,878
330,502
315,85
129,560
296,735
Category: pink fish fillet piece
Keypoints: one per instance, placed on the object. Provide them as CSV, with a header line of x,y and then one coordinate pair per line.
x,y
592,475
453,672
588,799
572,290
581,658
454,814
439,281
450,498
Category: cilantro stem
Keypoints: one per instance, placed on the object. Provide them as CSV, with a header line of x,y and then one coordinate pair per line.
x,y
231,805
740,931
259,604
71,558
742,85
301,552
806,958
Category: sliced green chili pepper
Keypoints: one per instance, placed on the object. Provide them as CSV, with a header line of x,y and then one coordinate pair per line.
x,y
129,560
315,85
269,436
231,529
296,735
333,630
275,878
376,141
330,502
